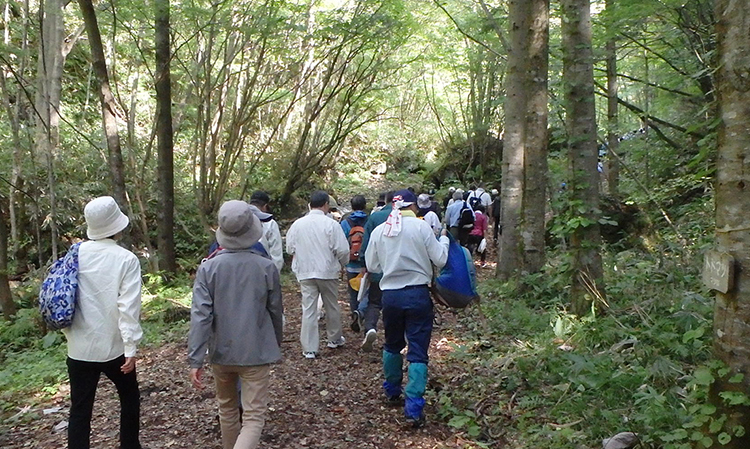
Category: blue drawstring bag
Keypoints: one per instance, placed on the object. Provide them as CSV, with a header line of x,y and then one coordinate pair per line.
x,y
456,285
59,292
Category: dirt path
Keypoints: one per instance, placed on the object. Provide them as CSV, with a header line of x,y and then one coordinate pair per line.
x,y
334,401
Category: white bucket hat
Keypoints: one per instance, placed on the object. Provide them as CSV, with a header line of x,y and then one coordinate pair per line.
x,y
239,227
104,218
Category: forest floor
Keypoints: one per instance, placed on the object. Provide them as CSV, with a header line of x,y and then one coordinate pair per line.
x,y
333,401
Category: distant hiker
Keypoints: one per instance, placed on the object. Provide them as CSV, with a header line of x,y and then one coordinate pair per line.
x,y
320,250
271,239
404,249
476,235
435,205
353,227
106,330
236,316
374,294
380,203
333,209
427,214
449,197
482,195
459,218
495,214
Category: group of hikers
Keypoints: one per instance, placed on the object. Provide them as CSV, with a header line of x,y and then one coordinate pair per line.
x,y
237,316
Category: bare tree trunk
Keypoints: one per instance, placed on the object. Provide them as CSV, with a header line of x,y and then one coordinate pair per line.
x,y
537,139
49,80
99,64
578,73
732,310
6,298
17,201
613,140
525,144
510,249
165,155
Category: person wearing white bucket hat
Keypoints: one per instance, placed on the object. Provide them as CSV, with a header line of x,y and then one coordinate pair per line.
x,y
237,316
106,330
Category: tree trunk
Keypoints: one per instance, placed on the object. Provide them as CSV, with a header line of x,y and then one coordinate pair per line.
x,y
17,201
164,135
49,80
732,310
99,64
613,141
6,298
510,249
537,140
525,141
578,73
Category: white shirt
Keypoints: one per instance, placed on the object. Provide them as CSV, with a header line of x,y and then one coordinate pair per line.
x,y
407,258
319,247
482,195
271,241
106,322
432,219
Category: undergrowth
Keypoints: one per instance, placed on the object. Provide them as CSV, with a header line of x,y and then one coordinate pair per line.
x,y
545,378
32,361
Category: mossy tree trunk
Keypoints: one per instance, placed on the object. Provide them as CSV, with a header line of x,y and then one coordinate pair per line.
x,y
578,75
165,139
6,298
523,200
732,310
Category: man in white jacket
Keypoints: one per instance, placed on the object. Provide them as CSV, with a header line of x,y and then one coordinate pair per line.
x,y
106,329
320,251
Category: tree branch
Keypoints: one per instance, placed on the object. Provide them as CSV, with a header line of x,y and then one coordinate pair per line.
x,y
467,35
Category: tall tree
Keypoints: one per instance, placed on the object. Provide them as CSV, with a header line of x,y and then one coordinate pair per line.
x,y
525,142
164,135
732,309
613,141
6,298
109,107
49,87
14,109
580,118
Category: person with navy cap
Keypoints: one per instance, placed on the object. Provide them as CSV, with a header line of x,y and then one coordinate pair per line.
x,y
403,249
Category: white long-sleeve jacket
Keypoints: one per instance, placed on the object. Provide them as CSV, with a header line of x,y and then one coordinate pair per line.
x,y
319,247
106,324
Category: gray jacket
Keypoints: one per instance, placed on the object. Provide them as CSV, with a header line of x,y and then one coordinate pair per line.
x,y
236,312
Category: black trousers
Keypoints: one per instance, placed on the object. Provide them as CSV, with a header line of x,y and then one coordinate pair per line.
x,y
374,305
84,378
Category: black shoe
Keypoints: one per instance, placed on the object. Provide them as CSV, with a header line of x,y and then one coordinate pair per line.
x,y
355,326
394,401
415,423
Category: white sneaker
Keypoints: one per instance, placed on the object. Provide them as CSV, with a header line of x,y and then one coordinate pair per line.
x,y
309,355
337,344
369,341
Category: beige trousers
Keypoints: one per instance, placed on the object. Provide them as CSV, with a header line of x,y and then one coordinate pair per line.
x,y
255,396
328,289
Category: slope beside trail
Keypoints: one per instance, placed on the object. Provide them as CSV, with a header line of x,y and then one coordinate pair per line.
x,y
334,401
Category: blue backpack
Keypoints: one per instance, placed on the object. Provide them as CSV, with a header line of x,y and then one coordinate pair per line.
x,y
456,285
59,292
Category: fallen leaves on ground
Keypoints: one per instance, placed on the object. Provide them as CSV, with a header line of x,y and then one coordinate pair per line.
x,y
333,401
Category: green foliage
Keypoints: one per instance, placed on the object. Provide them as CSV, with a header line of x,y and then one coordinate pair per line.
x,y
562,381
21,333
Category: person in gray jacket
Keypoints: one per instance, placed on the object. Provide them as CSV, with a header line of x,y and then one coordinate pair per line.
x,y
237,317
